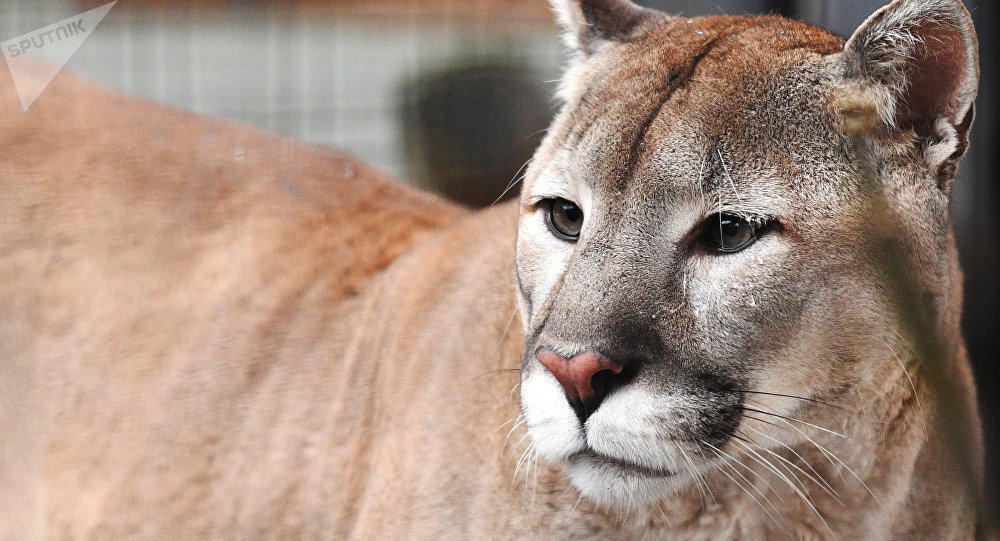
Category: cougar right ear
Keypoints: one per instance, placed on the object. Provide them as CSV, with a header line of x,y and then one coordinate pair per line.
x,y
589,23
916,64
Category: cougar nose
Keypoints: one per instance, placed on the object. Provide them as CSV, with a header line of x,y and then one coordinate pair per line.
x,y
580,377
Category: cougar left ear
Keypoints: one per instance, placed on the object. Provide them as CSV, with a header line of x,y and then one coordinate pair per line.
x,y
588,23
916,63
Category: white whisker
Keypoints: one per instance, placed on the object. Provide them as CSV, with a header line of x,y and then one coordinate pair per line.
x,y
832,457
786,418
805,498
818,479
507,422
749,469
913,387
699,479
506,329
510,395
512,182
664,515
730,177
520,422
722,463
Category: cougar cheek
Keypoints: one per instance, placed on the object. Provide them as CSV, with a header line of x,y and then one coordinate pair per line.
x,y
541,260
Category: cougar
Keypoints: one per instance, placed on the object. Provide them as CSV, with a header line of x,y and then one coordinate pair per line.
x,y
682,330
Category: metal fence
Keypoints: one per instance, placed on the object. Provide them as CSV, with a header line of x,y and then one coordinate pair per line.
x,y
306,73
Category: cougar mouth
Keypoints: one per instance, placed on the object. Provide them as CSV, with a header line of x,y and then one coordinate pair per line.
x,y
618,466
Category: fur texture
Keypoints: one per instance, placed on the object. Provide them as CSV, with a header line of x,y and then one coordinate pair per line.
x,y
210,333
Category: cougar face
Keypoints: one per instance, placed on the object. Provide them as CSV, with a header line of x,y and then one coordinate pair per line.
x,y
690,259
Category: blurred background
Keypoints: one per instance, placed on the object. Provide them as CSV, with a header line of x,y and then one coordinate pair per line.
x,y
454,95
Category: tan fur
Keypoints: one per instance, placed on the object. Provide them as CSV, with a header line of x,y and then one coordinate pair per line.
x,y
210,333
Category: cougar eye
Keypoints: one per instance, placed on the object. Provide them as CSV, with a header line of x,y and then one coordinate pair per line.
x,y
729,234
565,219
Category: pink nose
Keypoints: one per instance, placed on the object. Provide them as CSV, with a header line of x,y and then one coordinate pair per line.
x,y
577,374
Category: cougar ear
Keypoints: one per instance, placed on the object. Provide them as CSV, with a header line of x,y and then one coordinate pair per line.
x,y
588,23
916,62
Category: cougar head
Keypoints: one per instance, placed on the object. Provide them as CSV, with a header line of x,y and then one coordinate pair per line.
x,y
689,256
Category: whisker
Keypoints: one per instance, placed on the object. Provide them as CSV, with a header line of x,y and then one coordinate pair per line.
x,y
503,371
817,427
699,479
686,466
521,461
510,395
759,420
721,463
506,328
701,182
818,479
811,400
664,515
521,440
513,482
768,464
916,395
521,421
805,499
543,130
830,456
730,177
507,422
512,182
534,467
751,470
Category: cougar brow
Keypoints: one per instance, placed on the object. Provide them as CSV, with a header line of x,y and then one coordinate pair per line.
x,y
666,92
